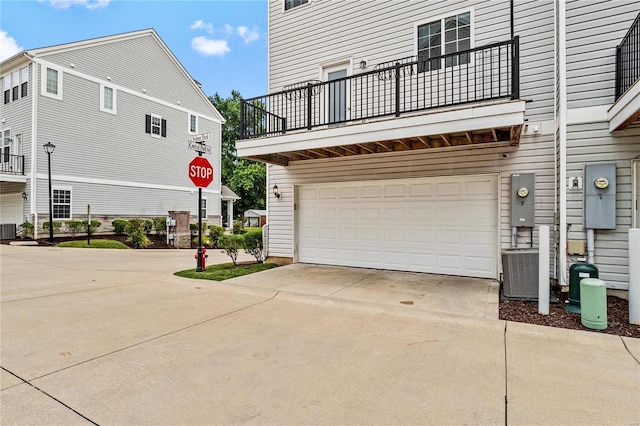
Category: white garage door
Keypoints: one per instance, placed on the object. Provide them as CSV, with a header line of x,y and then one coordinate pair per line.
x,y
11,208
444,225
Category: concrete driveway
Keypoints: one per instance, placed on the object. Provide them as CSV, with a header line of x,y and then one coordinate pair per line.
x,y
112,337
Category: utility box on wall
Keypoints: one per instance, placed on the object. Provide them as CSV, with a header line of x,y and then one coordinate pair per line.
x,y
523,200
600,196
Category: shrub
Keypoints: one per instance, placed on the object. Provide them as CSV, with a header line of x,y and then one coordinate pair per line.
x,y
206,241
194,228
136,234
94,226
148,226
215,232
56,226
160,224
119,226
231,244
26,229
253,245
74,227
238,227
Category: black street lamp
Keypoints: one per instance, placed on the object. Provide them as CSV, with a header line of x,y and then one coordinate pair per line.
x,y
49,148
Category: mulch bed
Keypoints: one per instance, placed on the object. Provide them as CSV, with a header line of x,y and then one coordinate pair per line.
x,y
157,241
527,311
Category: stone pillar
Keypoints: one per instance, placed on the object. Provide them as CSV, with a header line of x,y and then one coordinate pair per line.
x,y
182,231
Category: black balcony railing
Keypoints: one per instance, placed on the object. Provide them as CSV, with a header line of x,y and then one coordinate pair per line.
x,y
628,59
393,88
11,164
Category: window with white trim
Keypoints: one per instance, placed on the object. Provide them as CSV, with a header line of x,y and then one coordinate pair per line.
x,y
155,125
16,85
193,123
51,82
290,4
107,99
203,208
450,34
61,203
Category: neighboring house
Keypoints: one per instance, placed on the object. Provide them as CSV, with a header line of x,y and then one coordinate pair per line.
x,y
430,136
228,198
255,218
119,110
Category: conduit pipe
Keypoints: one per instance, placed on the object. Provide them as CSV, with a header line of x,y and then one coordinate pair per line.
x,y
634,276
543,270
591,246
514,237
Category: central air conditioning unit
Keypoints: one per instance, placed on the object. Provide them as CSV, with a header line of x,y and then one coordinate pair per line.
x,y
8,231
520,273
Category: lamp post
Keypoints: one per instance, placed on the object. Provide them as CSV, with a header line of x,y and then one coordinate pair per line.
x,y
49,148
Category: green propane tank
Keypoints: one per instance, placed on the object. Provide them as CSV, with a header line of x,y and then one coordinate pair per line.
x,y
577,272
593,302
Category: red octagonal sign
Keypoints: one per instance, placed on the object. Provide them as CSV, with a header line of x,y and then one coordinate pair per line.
x,y
200,172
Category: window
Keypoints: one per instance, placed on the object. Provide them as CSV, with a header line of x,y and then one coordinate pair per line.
x,y
51,83
107,99
155,126
203,208
16,85
193,123
61,203
24,82
290,4
5,149
432,44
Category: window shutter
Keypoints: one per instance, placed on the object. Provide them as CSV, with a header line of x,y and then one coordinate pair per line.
x,y
163,129
147,123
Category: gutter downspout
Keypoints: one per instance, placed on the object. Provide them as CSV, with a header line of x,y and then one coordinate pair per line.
x,y
34,144
562,136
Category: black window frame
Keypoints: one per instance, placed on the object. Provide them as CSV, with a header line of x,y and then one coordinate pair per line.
x,y
290,4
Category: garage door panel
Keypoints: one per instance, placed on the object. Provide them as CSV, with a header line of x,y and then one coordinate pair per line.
x,y
438,225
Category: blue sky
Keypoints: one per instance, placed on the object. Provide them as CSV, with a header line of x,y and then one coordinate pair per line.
x,y
221,43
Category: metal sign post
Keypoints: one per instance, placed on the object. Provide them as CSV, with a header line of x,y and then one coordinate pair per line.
x,y
201,174
89,224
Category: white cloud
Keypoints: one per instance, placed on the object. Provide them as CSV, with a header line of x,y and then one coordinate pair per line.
x,y
210,47
65,4
8,46
200,25
248,35
228,29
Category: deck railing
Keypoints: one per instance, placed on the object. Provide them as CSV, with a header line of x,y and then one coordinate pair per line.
x,y
11,164
628,59
393,88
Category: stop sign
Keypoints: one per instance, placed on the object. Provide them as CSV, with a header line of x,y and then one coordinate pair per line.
x,y
200,172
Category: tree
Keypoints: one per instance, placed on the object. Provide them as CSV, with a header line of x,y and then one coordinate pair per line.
x,y
246,178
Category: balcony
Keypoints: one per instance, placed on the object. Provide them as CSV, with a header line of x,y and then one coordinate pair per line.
x,y
626,109
12,168
461,99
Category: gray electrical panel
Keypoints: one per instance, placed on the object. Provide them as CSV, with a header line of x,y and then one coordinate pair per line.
x,y
523,200
600,196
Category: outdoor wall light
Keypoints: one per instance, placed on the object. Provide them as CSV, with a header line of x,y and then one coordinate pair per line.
x,y
363,64
276,191
24,196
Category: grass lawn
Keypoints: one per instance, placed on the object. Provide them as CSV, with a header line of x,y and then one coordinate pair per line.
x,y
101,244
224,271
252,228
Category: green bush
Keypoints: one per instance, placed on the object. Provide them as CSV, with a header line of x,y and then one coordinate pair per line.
x,y
118,226
94,226
26,229
215,232
57,226
253,245
206,241
231,244
74,227
148,226
238,227
136,234
160,224
194,228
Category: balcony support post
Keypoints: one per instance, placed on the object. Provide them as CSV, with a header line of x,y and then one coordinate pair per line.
x,y
243,132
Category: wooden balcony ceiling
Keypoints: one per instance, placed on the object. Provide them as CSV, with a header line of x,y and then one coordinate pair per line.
x,y
503,135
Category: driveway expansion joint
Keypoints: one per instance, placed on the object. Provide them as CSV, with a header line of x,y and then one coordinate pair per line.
x,y
48,395
376,271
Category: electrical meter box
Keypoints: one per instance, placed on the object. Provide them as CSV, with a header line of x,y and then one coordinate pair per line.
x,y
600,196
523,200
